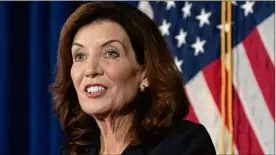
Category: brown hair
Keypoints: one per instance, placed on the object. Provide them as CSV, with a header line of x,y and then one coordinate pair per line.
x,y
163,102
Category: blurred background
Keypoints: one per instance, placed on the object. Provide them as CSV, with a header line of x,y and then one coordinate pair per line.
x,y
233,98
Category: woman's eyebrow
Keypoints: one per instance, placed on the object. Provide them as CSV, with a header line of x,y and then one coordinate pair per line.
x,y
118,41
76,44
103,45
112,40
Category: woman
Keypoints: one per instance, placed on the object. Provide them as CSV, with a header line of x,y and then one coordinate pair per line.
x,y
117,89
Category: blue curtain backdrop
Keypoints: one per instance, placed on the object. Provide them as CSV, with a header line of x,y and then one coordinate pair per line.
x,y
29,33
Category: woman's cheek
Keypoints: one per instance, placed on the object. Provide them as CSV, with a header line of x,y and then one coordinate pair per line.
x,y
76,73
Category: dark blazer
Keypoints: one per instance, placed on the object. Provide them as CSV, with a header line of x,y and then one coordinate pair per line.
x,y
184,138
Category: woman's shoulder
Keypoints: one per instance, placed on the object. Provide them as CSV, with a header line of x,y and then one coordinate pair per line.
x,y
185,137
187,128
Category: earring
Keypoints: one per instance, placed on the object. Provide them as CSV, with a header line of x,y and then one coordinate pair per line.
x,y
142,88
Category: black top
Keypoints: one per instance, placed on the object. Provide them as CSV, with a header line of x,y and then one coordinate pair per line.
x,y
184,138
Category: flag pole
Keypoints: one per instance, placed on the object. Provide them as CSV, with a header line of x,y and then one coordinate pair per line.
x,y
230,64
223,78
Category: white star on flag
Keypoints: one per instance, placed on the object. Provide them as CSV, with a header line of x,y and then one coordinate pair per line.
x,y
170,4
198,46
181,37
146,8
226,29
186,10
233,2
178,63
203,18
164,28
247,7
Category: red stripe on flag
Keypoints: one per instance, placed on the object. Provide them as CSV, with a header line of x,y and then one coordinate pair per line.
x,y
191,116
245,138
262,67
242,128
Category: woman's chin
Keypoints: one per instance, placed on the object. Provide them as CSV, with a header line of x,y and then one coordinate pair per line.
x,y
95,110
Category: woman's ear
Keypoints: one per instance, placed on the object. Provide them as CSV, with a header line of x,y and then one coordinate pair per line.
x,y
145,82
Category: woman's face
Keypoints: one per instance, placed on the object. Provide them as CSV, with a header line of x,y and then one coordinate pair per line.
x,y
105,72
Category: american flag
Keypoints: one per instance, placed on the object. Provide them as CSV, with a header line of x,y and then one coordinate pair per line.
x,y
193,33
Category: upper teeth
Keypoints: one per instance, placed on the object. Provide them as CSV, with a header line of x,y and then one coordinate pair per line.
x,y
94,89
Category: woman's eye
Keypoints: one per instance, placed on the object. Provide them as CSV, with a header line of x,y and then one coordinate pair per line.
x,y
79,57
111,54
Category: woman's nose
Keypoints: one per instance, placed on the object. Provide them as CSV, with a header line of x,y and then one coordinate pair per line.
x,y
93,68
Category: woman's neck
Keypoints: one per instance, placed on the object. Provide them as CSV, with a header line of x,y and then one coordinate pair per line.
x,y
114,133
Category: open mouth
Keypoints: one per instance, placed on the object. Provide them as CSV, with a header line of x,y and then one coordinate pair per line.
x,y
95,90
